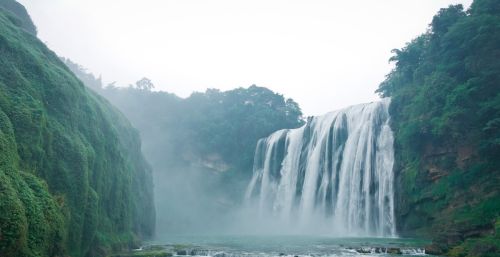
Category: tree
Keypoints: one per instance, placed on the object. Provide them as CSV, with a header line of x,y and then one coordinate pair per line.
x,y
445,114
445,18
144,84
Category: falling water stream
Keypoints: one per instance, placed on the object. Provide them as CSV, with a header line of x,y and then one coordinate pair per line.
x,y
323,190
334,174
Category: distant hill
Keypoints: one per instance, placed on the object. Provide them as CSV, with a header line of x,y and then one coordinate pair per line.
x,y
205,141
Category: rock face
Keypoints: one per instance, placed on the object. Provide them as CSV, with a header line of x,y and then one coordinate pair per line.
x,y
433,249
72,178
394,251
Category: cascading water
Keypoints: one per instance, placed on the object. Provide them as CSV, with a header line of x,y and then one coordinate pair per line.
x,y
335,174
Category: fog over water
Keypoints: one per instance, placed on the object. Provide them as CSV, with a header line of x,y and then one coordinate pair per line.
x,y
333,176
326,55
250,128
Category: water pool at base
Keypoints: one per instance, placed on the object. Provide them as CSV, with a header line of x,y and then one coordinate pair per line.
x,y
290,246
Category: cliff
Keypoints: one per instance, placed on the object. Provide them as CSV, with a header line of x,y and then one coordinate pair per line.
x,y
72,178
446,118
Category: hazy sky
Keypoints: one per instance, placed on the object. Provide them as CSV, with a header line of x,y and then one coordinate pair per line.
x,y
325,54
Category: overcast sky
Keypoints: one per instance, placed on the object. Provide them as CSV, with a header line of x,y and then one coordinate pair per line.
x,y
325,54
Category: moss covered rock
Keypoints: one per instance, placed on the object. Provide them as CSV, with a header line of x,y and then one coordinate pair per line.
x,y
72,177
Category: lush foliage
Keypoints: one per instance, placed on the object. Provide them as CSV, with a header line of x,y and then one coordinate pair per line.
x,y
445,91
205,141
227,124
72,177
18,15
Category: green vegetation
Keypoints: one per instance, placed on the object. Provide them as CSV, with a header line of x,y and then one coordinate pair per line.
x,y
72,178
206,141
227,124
18,15
446,117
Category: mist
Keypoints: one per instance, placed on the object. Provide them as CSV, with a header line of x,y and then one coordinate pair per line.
x,y
325,55
283,128
201,142
201,149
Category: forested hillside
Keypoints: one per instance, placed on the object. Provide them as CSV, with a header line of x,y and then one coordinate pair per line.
x,y
201,146
445,109
18,15
73,181
225,123
215,125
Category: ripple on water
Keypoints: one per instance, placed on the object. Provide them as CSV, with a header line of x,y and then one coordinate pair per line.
x,y
290,246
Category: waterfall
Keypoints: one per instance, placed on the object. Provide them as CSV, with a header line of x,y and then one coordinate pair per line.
x,y
335,174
